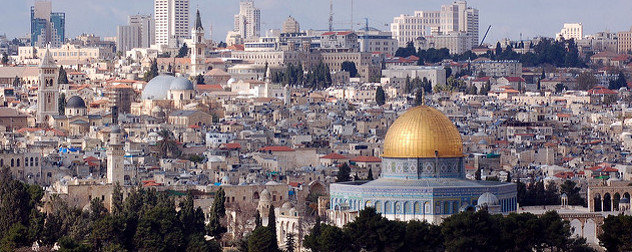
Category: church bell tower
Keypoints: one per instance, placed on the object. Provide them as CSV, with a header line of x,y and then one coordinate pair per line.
x,y
48,91
198,47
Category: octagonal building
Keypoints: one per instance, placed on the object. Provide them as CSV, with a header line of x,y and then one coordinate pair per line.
x,y
423,175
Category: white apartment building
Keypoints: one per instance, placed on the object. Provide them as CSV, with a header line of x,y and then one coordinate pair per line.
x,y
571,31
456,42
248,21
171,22
435,74
455,17
377,42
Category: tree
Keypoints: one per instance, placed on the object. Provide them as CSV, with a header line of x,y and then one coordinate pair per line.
x,y
477,174
184,51
422,236
350,66
17,82
61,104
63,77
499,49
586,80
311,241
572,192
257,219
5,59
218,211
380,96
199,79
618,83
419,97
262,239
289,242
471,231
272,221
370,176
372,232
617,233
343,173
152,72
407,51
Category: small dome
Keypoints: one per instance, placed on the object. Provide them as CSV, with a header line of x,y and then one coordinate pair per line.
x,y
265,195
225,180
75,102
287,205
488,199
181,83
420,132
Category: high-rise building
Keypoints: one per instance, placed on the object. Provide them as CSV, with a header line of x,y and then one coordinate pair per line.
x,y
47,27
127,37
48,91
291,26
171,19
452,18
146,29
571,31
248,21
138,34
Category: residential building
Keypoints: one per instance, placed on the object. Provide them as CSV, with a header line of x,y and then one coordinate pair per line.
x,y
291,26
376,41
571,31
47,27
248,21
171,22
625,41
455,17
146,29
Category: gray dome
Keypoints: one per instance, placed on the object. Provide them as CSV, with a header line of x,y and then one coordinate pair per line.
x,y
75,102
488,199
156,88
181,83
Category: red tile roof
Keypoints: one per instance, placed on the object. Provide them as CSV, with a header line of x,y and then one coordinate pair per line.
x,y
232,146
276,148
334,156
366,159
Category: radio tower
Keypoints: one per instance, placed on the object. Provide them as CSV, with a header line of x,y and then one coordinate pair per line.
x,y
331,15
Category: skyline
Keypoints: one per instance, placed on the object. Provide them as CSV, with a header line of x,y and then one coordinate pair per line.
x,y
87,16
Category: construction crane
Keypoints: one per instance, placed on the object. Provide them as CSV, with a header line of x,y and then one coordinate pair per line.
x,y
490,26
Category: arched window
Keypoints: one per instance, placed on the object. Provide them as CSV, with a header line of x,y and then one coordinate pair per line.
x,y
181,96
199,50
26,161
12,162
32,161
18,162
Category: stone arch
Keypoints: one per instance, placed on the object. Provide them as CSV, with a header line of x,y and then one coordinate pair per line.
x,y
388,207
407,208
255,195
597,199
427,207
417,208
615,200
626,195
607,202
378,206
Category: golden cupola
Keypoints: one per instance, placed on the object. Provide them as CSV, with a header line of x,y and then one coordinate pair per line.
x,y
423,132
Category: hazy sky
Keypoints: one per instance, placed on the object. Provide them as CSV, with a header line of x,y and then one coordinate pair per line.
x,y
508,18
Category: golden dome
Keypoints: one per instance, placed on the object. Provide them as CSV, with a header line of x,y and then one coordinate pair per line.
x,y
420,132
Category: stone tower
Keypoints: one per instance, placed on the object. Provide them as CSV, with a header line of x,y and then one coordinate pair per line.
x,y
115,155
48,91
198,47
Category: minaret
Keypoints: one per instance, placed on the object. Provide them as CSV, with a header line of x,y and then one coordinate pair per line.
x,y
115,155
48,91
198,47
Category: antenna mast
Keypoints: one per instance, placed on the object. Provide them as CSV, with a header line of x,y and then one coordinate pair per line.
x,y
331,15
351,15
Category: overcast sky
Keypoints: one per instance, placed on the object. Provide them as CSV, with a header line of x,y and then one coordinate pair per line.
x,y
508,18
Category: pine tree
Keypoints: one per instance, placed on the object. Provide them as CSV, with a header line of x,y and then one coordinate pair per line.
x,y
63,77
218,211
257,219
199,79
184,50
343,173
16,82
61,104
153,71
289,242
380,97
370,176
